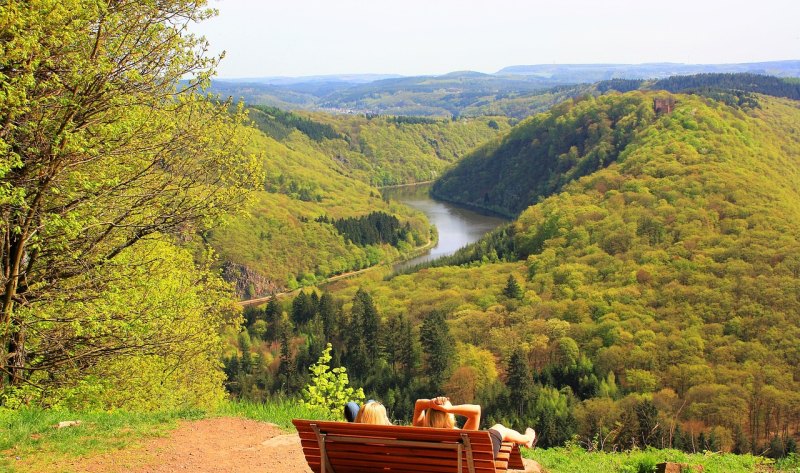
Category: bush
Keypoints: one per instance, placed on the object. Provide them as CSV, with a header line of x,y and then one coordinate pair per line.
x,y
329,388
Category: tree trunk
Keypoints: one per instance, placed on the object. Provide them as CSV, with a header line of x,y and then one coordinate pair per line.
x,y
12,358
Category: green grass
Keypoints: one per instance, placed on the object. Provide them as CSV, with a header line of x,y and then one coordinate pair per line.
x,y
279,412
29,441
577,460
30,436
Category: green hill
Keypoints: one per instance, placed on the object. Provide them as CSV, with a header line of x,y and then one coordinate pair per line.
x,y
660,293
327,166
545,152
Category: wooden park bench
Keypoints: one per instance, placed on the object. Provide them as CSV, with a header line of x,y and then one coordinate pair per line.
x,y
343,447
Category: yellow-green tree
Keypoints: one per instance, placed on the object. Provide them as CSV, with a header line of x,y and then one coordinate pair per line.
x,y
329,387
102,149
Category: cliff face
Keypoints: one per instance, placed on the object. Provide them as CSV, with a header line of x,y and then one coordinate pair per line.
x,y
249,283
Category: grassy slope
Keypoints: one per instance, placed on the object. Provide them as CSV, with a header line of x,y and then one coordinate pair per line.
x,y
30,443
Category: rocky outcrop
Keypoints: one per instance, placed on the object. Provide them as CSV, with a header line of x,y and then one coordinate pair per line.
x,y
249,283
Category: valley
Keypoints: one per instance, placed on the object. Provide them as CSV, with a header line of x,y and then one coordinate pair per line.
x,y
622,302
605,250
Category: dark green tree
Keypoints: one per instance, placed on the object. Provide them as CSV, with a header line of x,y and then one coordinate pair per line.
x,y
286,366
303,309
244,345
328,315
370,323
438,345
400,346
649,430
519,382
272,314
512,289
362,341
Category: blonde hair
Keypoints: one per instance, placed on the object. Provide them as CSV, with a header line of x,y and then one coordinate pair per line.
x,y
373,413
439,419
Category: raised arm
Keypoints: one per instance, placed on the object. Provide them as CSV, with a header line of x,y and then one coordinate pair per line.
x,y
472,412
419,411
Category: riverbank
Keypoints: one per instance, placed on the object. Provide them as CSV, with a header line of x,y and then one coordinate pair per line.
x,y
414,254
412,184
455,227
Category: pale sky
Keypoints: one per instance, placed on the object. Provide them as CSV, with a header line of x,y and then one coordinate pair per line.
x,y
415,37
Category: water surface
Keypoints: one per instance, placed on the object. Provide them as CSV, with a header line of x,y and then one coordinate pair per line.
x,y
457,226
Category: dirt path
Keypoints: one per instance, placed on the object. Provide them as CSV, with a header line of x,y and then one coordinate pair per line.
x,y
219,445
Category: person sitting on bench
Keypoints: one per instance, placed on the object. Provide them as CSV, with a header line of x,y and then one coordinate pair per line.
x,y
373,412
440,413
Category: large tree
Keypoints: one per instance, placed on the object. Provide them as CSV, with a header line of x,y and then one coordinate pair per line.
x,y
438,345
105,145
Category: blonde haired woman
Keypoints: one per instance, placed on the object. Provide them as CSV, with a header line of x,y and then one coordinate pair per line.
x,y
440,413
373,412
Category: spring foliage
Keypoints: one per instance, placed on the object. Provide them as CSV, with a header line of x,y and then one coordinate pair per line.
x,y
329,387
660,290
109,161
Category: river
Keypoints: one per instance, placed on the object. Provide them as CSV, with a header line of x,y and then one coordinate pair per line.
x,y
457,226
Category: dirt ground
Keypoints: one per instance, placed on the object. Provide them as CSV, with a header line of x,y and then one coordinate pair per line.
x,y
220,445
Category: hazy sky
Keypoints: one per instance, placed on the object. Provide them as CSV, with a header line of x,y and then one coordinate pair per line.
x,y
409,37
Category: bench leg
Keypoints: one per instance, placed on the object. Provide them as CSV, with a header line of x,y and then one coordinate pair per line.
x,y
325,464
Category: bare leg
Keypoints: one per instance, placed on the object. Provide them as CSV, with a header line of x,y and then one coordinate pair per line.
x,y
511,435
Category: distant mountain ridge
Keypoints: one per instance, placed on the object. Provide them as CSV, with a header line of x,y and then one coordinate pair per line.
x,y
598,72
516,91
288,80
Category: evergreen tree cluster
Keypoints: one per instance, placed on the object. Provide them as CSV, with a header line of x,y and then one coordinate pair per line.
x,y
408,120
373,229
745,82
279,123
495,246
620,85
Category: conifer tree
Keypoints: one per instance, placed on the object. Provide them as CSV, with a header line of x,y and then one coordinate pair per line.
x,y
512,289
519,381
303,309
285,367
272,315
328,316
400,346
439,348
363,339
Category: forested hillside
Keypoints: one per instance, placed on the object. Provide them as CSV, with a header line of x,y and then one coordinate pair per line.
x,y
383,150
320,169
279,242
578,137
654,301
545,152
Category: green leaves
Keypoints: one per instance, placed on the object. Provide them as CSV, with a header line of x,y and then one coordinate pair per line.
x,y
107,160
329,387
